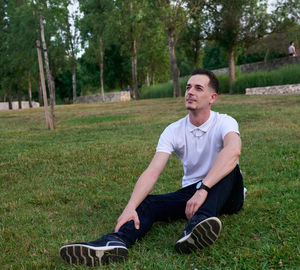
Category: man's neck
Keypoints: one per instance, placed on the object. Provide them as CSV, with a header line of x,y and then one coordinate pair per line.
x,y
197,118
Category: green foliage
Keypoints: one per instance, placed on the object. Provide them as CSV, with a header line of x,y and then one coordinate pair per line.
x,y
153,49
286,75
162,90
157,91
193,26
223,83
272,46
238,23
116,74
71,185
215,56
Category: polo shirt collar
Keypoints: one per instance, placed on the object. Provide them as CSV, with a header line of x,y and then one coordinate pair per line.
x,y
201,130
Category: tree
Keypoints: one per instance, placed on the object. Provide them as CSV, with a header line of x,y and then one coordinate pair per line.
x,y
95,27
131,24
153,54
18,65
49,118
236,24
174,16
288,9
72,44
50,80
214,56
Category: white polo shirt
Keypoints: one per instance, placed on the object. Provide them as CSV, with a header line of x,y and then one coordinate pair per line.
x,y
196,147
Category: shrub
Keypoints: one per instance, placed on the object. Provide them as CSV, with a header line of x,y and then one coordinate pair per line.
x,y
286,75
161,90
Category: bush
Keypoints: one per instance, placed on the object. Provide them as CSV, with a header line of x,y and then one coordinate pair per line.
x,y
161,90
286,75
224,83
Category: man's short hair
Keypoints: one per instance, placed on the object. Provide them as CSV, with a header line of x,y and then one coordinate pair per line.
x,y
291,42
213,81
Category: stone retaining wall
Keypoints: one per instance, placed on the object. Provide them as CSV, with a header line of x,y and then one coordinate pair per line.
x,y
287,89
109,97
268,66
15,105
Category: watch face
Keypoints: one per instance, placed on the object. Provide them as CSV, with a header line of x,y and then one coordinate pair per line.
x,y
199,185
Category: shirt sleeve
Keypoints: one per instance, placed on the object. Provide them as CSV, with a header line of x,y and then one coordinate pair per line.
x,y
166,142
229,124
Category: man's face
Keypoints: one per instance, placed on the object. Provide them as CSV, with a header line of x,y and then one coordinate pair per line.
x,y
198,95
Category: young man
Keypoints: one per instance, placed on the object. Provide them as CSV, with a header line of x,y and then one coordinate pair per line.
x,y
209,146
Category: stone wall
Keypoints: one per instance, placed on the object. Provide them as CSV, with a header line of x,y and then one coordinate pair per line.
x,y
15,105
109,97
287,89
268,66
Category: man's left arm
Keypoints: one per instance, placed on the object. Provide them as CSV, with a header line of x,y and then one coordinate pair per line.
x,y
225,162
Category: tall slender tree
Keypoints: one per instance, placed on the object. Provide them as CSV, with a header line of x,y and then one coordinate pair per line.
x,y
72,39
174,16
95,27
235,24
131,25
49,119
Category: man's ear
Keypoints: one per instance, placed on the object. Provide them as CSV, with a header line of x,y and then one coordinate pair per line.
x,y
213,97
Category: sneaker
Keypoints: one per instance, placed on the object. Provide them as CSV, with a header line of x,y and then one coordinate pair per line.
x,y
204,234
94,253
245,193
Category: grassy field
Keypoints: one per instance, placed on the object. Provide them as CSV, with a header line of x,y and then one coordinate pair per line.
x,y
71,184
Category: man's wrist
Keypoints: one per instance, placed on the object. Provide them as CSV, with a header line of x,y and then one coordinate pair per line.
x,y
201,185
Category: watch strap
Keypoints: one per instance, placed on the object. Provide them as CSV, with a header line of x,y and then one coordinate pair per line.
x,y
200,185
205,187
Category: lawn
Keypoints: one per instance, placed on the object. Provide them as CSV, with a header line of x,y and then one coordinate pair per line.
x,y
71,184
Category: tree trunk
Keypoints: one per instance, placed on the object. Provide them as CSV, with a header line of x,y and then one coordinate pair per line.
x,y
101,67
49,75
29,93
231,70
147,79
134,60
196,55
173,63
266,55
134,71
49,120
73,58
40,94
153,79
10,99
74,82
19,98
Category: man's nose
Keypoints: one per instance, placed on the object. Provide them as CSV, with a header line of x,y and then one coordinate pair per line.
x,y
190,90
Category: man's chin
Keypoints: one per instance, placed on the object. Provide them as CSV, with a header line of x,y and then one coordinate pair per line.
x,y
190,107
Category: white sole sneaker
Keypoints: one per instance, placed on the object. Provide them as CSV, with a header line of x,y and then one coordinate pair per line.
x,y
92,256
203,235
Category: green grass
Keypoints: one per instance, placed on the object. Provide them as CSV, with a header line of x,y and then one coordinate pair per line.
x,y
289,74
71,184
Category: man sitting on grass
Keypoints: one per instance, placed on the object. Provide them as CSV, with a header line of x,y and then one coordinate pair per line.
x,y
208,145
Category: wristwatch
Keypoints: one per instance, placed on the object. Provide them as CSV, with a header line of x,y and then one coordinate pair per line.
x,y
200,185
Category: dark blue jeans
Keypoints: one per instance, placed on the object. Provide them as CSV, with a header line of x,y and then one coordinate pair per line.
x,y
226,197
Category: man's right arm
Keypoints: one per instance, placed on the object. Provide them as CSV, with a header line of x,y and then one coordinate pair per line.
x,y
142,188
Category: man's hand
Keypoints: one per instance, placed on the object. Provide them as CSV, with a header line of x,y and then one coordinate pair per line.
x,y
194,203
128,215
